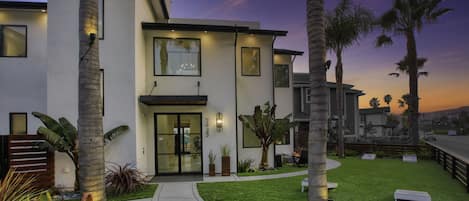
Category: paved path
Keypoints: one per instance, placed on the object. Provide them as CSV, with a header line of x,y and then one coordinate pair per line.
x,y
456,144
187,191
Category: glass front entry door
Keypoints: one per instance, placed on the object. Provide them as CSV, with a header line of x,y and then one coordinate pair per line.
x,y
178,143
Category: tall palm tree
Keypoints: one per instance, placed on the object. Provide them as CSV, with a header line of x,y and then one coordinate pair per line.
x,y
407,17
374,102
317,137
345,25
387,99
90,122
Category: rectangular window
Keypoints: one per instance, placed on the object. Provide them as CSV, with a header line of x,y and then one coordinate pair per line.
x,y
250,140
251,61
101,19
18,123
177,57
13,41
308,95
101,82
285,140
282,76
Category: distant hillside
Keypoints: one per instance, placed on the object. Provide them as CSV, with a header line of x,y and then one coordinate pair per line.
x,y
449,113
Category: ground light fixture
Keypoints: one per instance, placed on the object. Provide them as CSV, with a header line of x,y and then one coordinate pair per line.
x,y
219,121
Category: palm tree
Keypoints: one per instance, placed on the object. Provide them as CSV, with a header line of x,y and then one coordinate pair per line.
x,y
345,26
403,67
374,102
405,18
387,99
90,121
317,137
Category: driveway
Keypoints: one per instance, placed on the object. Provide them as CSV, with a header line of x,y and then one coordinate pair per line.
x,y
456,144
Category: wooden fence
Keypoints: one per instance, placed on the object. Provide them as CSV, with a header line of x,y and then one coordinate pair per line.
x,y
456,165
25,157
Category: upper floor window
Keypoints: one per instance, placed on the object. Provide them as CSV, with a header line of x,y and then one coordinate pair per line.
x,y
251,61
18,123
101,19
282,76
177,57
13,40
308,95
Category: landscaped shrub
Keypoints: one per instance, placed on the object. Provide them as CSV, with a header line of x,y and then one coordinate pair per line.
x,y
244,165
123,179
15,187
350,152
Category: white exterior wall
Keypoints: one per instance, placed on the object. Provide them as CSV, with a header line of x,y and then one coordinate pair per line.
x,y
284,102
23,79
217,82
254,90
117,59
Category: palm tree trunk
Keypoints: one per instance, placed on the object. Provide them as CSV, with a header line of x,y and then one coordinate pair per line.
x,y
90,125
340,105
317,137
413,87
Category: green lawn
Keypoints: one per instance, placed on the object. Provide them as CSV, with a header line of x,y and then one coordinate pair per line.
x,y
358,181
146,192
284,169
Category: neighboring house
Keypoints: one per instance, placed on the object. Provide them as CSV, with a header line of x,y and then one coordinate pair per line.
x,y
301,109
179,84
373,122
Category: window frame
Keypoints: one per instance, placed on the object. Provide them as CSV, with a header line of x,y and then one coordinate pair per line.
x,y
308,97
244,131
289,133
275,75
259,62
11,114
101,31
168,38
26,40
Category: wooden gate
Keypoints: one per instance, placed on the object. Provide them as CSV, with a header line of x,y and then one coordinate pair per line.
x,y
25,157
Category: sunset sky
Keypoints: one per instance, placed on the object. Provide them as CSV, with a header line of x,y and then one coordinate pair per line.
x,y
445,44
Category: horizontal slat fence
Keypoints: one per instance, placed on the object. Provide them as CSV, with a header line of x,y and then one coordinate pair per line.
x,y
388,149
25,157
456,166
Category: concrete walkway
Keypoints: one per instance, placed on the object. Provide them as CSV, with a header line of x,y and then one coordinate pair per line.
x,y
187,191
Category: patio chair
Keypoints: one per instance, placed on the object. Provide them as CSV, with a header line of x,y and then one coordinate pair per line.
x,y
303,161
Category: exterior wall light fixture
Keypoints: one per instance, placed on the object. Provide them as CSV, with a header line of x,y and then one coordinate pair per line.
x,y
219,121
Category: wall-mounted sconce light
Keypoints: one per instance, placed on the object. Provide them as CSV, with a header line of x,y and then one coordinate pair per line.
x,y
219,121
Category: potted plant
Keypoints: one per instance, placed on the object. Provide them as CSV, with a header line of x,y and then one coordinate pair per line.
x,y
211,165
225,160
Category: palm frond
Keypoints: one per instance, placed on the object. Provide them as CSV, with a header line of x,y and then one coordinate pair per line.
x,y
424,73
383,40
389,19
113,133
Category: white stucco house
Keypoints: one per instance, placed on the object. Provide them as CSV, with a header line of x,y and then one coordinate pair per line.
x,y
374,122
170,80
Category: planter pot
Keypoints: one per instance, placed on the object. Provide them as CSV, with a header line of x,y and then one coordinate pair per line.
x,y
211,170
225,166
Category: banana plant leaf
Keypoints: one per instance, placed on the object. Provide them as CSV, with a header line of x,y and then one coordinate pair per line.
x,y
50,123
54,139
113,133
70,132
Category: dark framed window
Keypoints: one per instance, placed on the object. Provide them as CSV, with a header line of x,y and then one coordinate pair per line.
x,y
13,40
282,75
308,95
101,19
285,140
177,57
18,123
250,61
250,140
101,83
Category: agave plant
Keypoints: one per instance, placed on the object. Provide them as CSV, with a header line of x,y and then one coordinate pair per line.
x,y
123,179
61,136
18,187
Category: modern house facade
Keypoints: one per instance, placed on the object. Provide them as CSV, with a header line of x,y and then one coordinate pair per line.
x,y
179,84
301,109
374,122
